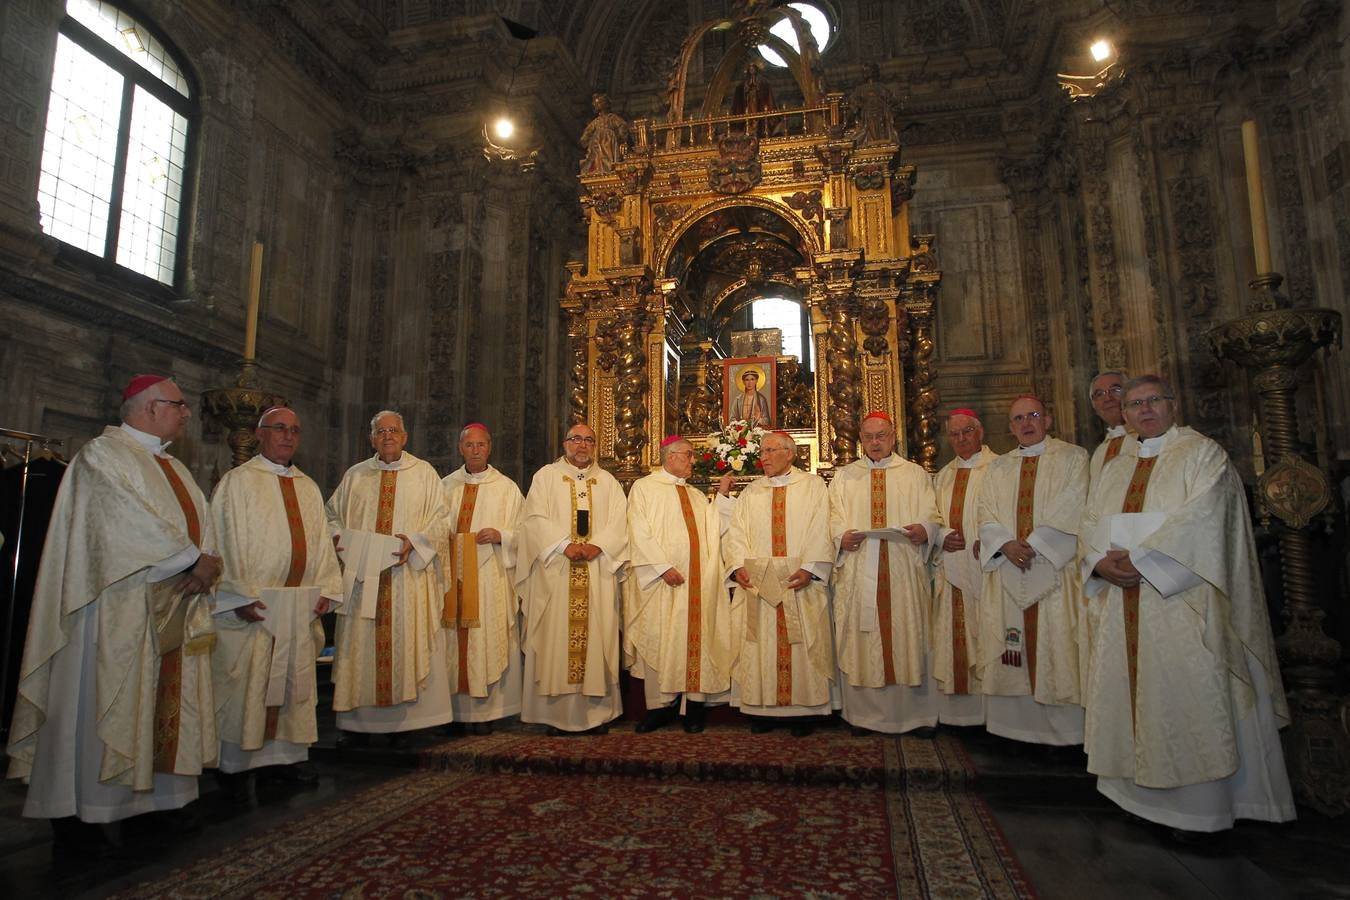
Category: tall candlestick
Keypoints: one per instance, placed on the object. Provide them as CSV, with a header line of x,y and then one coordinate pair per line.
x,y
1256,198
254,289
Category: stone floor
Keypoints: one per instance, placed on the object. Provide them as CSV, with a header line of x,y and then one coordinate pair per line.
x,y
1071,842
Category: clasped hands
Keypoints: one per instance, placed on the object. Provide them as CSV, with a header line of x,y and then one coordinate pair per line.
x,y
581,552
1116,568
797,580
1019,553
203,574
853,539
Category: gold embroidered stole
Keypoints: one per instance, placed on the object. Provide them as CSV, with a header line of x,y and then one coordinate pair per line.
x,y
384,602
169,687
779,538
579,589
883,577
1134,502
295,575
960,658
1113,448
1026,503
460,611
693,661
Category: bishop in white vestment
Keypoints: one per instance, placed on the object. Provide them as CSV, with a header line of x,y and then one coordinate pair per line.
x,y
481,608
883,518
1184,701
114,710
389,668
573,551
1028,515
1105,391
779,556
677,613
281,574
958,580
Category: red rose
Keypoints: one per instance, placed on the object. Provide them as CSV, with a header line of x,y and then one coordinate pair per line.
x,y
741,442
707,455
721,464
758,464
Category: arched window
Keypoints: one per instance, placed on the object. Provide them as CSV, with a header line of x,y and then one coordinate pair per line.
x,y
115,154
790,317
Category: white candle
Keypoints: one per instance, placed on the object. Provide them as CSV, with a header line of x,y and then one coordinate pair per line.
x,y
1256,198
254,288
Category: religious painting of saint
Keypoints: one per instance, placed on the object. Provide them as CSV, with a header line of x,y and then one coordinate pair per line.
x,y
750,391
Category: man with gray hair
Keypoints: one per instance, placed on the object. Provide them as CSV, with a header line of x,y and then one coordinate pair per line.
x,y
779,555
1184,699
390,517
677,627
114,714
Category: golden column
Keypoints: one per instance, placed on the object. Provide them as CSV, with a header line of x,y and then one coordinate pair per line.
x,y
1272,340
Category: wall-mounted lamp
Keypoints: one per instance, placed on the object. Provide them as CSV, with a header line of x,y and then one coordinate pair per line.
x,y
503,138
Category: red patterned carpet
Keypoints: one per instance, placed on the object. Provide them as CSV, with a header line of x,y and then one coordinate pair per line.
x,y
521,815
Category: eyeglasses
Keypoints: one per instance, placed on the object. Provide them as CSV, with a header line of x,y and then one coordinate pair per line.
x,y
579,439
764,450
963,432
385,432
278,428
181,404
1141,402
1114,390
680,453
1026,417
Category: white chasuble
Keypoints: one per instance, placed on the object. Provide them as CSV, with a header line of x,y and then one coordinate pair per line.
x,y
1184,696
679,638
1028,646
271,532
958,582
389,670
1118,440
571,609
780,638
480,606
114,714
882,595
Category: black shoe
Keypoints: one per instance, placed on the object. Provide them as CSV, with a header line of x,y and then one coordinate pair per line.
x,y
1196,840
926,732
301,773
452,729
238,787
182,822
859,731
482,727
802,730
73,838
398,740
599,729
657,718
348,740
761,726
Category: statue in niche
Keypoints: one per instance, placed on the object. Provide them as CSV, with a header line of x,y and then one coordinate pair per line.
x,y
874,109
606,138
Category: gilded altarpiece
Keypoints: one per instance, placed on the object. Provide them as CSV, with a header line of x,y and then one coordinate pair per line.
x,y
734,198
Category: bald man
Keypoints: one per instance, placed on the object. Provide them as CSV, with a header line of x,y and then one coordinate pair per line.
x,y
281,574
481,607
958,581
1028,513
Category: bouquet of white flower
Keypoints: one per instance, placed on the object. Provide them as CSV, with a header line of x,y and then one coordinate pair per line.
x,y
734,450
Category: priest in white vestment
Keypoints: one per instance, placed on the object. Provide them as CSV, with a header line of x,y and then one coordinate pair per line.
x,y
114,710
281,574
958,580
1028,513
573,553
481,609
1105,391
1184,700
389,667
677,612
883,519
779,556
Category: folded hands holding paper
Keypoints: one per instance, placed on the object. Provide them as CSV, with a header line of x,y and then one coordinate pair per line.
x,y
853,539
